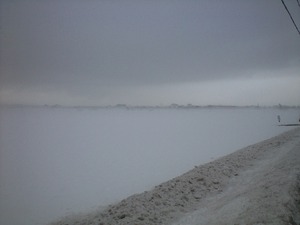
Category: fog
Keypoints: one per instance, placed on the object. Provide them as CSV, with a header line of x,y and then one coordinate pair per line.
x,y
59,161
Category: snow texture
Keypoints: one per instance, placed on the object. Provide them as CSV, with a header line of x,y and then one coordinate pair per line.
x,y
258,184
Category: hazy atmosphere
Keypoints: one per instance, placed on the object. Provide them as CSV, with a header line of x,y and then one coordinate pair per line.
x,y
149,52
57,160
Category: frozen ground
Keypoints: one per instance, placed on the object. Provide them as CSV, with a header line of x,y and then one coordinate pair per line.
x,y
258,184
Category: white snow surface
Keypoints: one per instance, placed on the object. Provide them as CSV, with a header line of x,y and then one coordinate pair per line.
x,y
57,161
259,184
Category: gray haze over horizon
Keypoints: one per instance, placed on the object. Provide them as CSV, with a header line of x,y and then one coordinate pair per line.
x,y
142,52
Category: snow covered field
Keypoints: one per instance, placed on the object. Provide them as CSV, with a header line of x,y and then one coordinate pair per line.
x,y
58,161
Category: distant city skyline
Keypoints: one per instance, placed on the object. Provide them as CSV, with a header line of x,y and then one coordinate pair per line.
x,y
149,53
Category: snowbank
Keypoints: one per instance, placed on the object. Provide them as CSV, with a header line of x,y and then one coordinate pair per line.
x,y
257,184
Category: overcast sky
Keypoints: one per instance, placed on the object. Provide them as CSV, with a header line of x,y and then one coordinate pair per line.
x,y
149,52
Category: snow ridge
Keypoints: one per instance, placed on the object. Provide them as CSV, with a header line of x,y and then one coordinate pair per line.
x,y
180,200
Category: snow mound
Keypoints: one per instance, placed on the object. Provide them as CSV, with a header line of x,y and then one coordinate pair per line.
x,y
258,184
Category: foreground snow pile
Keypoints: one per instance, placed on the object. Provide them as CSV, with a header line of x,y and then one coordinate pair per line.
x,y
266,193
259,184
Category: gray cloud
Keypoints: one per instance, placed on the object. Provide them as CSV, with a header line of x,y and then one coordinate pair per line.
x,y
89,47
